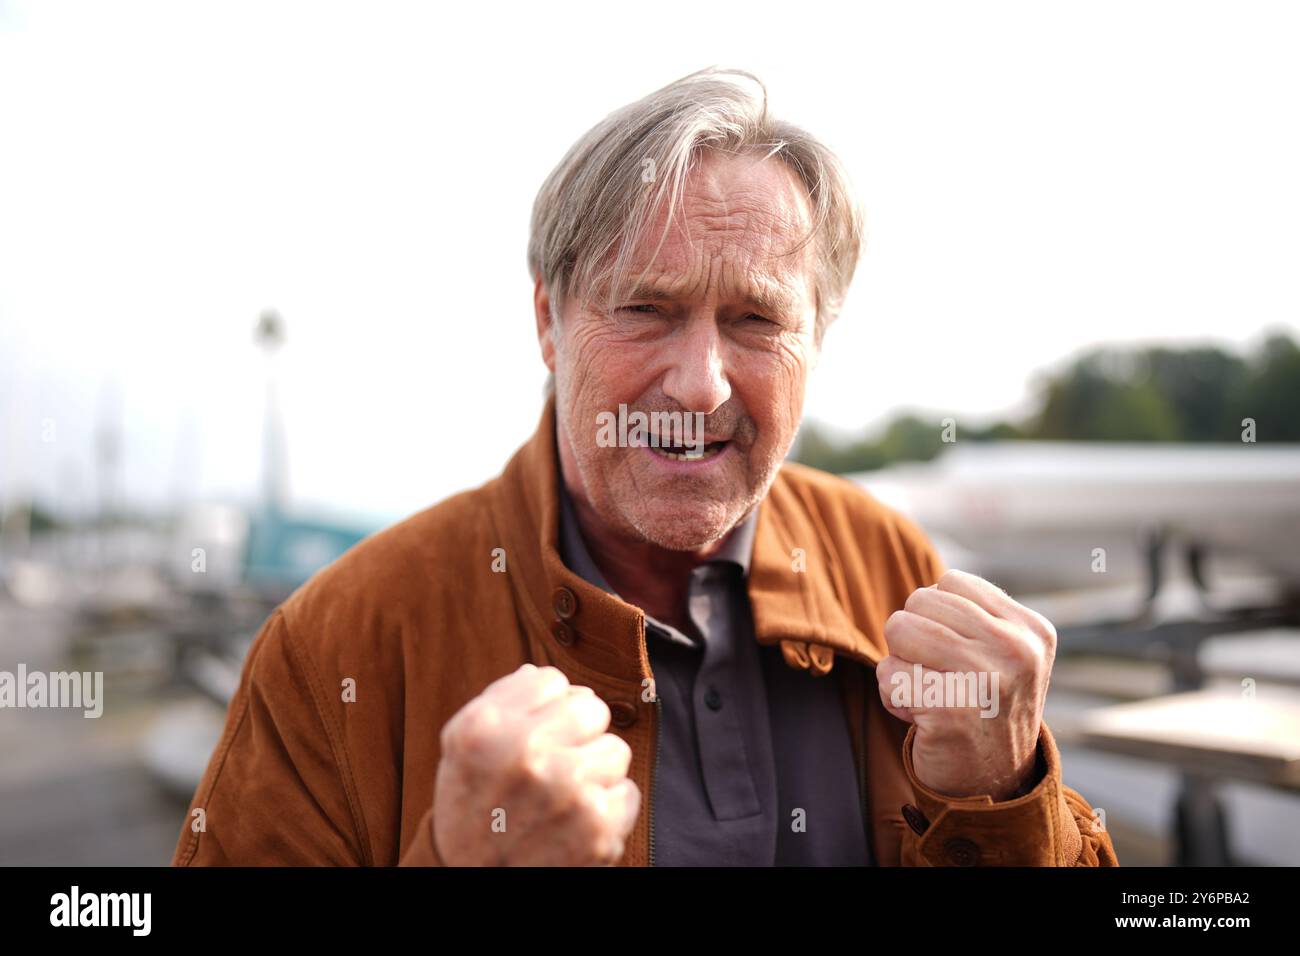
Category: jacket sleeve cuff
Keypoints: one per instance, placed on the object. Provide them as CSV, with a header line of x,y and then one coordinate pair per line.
x,y
1034,829
423,850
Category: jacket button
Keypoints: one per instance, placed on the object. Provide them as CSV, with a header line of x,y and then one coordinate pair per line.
x,y
961,852
563,634
622,713
564,602
915,819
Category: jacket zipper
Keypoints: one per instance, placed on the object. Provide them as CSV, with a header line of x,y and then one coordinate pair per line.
x,y
654,773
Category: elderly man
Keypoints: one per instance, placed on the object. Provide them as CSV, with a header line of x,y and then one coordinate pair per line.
x,y
655,645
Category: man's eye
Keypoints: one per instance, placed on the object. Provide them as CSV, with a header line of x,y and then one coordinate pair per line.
x,y
645,308
755,318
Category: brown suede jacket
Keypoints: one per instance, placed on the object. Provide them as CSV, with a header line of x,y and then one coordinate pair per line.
x,y
331,743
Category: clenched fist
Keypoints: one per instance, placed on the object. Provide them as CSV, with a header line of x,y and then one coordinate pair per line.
x,y
529,777
969,667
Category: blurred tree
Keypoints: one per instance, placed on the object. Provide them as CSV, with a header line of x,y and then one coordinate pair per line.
x,y
817,449
1105,397
1204,386
998,431
910,438
1194,394
1272,395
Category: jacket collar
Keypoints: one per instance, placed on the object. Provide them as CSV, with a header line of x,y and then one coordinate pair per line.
x,y
794,580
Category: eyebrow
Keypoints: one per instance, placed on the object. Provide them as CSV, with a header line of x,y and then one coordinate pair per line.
x,y
765,300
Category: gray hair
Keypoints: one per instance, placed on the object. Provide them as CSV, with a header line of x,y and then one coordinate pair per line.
x,y
597,203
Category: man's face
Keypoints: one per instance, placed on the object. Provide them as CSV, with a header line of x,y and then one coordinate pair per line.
x,y
722,324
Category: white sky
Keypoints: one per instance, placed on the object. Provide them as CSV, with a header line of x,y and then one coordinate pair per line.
x,y
1038,177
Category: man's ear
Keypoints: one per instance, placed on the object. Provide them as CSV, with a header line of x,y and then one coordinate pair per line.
x,y
546,330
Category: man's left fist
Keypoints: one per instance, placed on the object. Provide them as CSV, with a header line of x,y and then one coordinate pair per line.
x,y
970,668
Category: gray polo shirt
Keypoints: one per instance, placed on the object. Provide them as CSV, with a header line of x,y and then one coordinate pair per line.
x,y
756,763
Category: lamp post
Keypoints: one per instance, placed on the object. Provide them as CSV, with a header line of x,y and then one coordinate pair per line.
x,y
269,335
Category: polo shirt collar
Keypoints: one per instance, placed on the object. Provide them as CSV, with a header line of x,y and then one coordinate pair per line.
x,y
736,549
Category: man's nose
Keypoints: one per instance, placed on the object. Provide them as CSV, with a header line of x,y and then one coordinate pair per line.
x,y
697,378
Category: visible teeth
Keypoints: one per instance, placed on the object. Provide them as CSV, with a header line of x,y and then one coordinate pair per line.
x,y
692,454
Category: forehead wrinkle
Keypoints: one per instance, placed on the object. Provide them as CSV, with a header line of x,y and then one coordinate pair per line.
x,y
737,232
769,281
777,205
749,251
767,292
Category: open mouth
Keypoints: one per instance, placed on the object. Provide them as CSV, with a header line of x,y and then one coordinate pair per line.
x,y
691,452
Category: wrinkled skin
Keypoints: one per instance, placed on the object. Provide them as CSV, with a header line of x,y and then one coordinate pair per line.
x,y
730,335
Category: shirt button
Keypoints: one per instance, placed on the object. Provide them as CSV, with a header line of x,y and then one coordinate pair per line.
x,y
961,852
562,633
621,713
564,602
915,819
713,699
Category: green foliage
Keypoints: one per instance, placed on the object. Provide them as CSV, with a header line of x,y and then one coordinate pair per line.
x,y
1272,395
1198,394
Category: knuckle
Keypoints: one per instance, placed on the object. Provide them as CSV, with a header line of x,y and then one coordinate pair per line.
x,y
534,764
550,672
488,715
535,775
584,817
591,703
462,736
1021,651
478,729
1047,631
622,749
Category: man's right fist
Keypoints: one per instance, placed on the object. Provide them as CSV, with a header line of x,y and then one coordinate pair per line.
x,y
528,777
